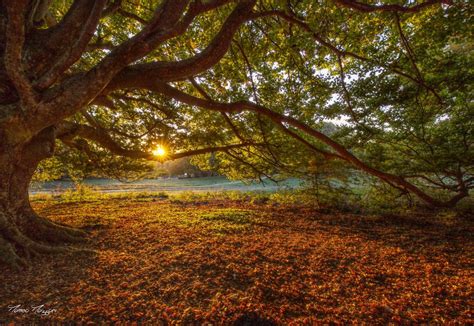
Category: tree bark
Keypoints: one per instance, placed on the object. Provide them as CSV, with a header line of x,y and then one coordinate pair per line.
x,y
22,232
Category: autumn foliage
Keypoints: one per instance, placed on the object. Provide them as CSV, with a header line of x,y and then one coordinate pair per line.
x,y
177,261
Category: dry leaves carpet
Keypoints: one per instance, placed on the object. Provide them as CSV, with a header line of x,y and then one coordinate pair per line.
x,y
225,262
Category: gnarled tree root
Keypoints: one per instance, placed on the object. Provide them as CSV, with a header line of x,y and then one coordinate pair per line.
x,y
17,246
43,229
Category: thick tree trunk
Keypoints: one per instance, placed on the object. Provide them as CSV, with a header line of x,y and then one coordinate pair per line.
x,y
22,231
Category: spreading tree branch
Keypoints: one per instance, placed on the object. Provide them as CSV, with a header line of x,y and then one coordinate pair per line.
x,y
75,50
292,19
48,46
278,118
14,40
169,21
187,68
67,131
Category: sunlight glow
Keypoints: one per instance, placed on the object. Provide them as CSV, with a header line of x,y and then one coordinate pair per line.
x,y
159,151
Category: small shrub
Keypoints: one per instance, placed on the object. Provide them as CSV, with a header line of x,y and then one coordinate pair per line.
x,y
81,193
41,197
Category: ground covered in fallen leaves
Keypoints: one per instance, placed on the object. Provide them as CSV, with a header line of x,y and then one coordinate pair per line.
x,y
165,261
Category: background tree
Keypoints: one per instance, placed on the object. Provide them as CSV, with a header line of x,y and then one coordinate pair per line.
x,y
255,80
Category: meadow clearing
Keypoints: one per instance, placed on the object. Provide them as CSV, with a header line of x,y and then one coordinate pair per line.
x,y
173,184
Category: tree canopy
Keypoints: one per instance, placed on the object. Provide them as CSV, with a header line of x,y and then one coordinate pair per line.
x,y
118,77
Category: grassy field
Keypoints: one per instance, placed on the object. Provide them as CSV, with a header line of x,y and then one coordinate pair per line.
x,y
239,260
217,183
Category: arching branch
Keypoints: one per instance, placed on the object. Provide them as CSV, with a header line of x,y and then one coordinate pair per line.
x,y
14,41
48,46
184,69
278,118
169,21
67,131
75,50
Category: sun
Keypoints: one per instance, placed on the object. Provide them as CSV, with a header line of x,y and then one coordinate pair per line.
x,y
159,151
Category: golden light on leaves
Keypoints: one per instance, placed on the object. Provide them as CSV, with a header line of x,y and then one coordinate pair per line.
x,y
159,151
298,286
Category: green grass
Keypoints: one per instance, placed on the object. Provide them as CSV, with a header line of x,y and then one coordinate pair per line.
x,y
371,202
228,220
209,220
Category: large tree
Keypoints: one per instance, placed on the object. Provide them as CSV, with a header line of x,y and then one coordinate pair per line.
x,y
254,80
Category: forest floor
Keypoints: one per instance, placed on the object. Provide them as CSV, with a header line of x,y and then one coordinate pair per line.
x,y
237,262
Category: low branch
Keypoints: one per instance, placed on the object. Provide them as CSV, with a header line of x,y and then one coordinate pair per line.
x,y
278,118
67,131
224,115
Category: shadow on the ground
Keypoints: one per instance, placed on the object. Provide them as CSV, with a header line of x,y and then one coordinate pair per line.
x,y
162,262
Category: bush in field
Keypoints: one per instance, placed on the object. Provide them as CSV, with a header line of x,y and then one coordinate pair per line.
x,y
80,193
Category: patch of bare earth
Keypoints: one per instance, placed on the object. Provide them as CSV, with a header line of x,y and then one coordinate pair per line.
x,y
225,262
